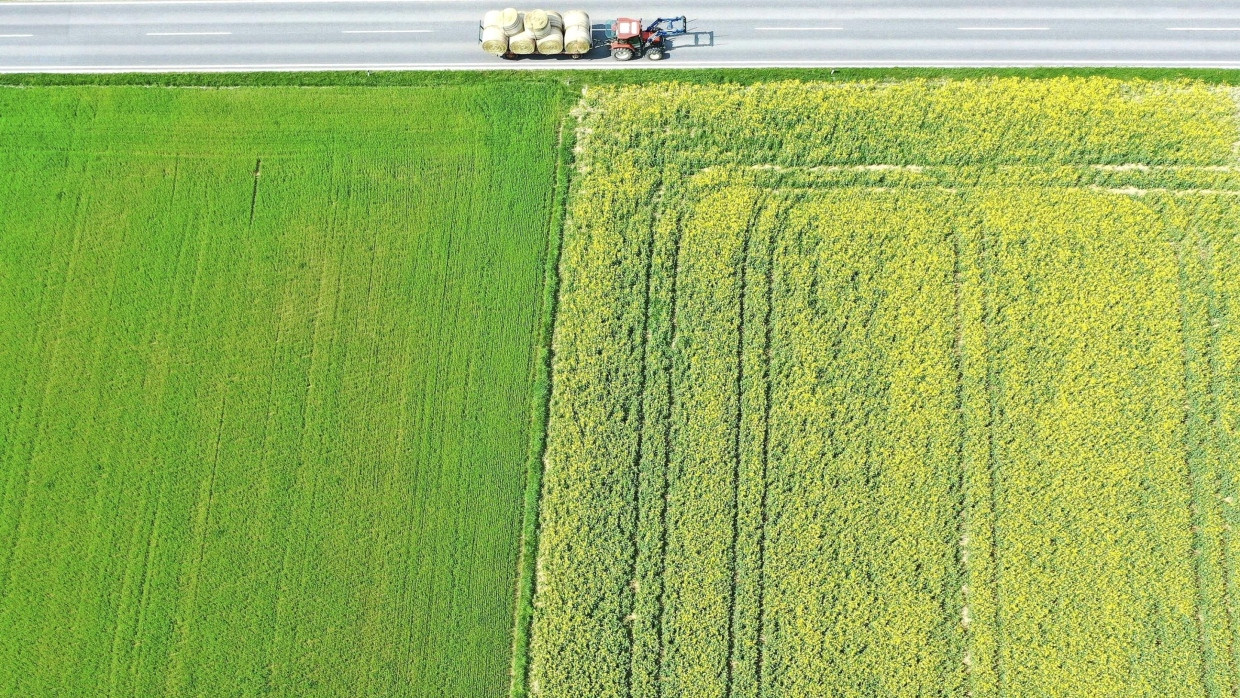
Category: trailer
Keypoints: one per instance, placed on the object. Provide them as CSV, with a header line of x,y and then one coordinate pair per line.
x,y
511,34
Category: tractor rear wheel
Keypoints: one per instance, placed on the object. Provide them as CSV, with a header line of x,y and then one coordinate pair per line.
x,y
622,54
655,54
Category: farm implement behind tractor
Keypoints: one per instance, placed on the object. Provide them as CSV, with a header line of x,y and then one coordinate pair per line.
x,y
511,33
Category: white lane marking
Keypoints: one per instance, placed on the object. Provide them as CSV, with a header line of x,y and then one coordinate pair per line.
x,y
1203,29
798,29
188,33
15,36
388,31
1004,29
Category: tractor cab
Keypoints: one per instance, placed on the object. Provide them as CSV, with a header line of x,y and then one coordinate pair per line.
x,y
628,39
625,29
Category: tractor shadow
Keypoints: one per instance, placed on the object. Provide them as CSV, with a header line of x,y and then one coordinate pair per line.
x,y
694,38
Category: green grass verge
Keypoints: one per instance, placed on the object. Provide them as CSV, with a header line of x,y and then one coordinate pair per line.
x,y
578,78
269,360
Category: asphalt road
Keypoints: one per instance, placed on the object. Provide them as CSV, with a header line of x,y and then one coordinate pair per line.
x,y
236,35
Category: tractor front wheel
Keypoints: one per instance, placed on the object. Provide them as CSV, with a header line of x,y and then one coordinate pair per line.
x,y
655,54
622,54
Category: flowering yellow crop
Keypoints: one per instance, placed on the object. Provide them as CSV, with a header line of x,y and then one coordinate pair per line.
x,y
896,389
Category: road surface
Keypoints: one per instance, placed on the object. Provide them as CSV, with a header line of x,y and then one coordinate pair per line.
x,y
232,35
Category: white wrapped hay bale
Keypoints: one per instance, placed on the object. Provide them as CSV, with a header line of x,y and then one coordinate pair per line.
x,y
536,20
552,42
524,43
494,41
542,23
576,39
576,18
492,18
513,22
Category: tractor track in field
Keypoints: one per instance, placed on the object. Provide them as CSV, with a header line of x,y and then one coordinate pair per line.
x,y
635,505
1224,487
763,516
737,427
21,498
1194,483
670,385
962,523
993,413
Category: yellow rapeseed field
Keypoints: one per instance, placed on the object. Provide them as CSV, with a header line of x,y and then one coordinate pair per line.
x,y
909,388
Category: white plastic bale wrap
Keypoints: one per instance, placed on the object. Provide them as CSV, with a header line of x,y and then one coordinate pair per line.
x,y
524,43
494,41
512,21
536,20
543,24
552,42
576,39
493,18
576,18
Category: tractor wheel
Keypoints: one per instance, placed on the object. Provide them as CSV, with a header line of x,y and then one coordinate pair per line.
x,y
655,54
622,54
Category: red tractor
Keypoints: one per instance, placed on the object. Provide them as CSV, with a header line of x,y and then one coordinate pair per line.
x,y
627,39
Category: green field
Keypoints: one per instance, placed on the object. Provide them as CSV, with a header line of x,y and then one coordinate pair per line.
x,y
268,370
911,388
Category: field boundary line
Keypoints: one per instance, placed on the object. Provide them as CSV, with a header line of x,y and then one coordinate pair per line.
x,y
540,411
